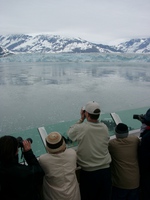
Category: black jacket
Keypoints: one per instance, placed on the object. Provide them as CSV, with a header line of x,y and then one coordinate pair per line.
x,y
144,153
21,182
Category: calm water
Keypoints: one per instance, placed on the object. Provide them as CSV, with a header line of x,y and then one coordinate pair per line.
x,y
38,90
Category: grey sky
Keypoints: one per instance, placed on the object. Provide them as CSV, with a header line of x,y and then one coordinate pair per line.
x,y
101,21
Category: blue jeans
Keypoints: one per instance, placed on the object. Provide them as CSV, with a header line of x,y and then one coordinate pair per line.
x,y
125,194
95,184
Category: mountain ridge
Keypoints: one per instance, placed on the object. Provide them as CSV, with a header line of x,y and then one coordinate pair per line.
x,y
47,43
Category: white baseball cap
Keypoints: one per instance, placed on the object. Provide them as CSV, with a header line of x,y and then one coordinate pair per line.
x,y
92,107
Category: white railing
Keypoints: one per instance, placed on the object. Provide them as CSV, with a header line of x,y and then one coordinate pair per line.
x,y
114,116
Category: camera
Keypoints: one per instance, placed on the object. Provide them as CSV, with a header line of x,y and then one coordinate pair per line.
x,y
136,117
20,141
139,117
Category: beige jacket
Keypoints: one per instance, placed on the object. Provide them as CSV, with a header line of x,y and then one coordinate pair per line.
x,y
60,182
124,166
93,139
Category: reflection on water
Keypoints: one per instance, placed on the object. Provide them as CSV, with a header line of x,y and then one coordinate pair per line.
x,y
67,73
35,94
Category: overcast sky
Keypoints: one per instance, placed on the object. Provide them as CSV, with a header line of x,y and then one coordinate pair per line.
x,y
100,21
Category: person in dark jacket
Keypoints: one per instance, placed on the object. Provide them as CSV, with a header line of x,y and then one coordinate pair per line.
x,y
144,156
18,181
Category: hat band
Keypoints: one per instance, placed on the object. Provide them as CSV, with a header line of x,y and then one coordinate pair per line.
x,y
55,146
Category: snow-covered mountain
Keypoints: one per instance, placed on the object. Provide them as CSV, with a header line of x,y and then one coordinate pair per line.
x,y
50,44
135,46
44,43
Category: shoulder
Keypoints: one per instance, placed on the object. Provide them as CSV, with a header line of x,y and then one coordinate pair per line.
x,y
70,151
44,156
133,138
102,125
112,141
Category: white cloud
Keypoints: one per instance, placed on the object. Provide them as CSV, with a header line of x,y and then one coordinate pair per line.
x,y
100,21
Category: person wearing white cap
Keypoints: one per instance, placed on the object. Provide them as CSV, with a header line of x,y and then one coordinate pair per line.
x,y
59,164
124,166
92,153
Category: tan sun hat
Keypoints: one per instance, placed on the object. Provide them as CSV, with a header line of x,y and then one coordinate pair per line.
x,y
55,143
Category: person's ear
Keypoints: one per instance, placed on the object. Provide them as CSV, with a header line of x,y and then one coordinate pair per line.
x,y
87,115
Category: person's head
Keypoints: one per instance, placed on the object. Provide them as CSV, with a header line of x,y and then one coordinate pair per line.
x,y
8,149
55,143
93,109
121,130
146,118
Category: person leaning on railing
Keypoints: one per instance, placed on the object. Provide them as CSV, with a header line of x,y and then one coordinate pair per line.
x,y
124,166
92,153
18,181
59,164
